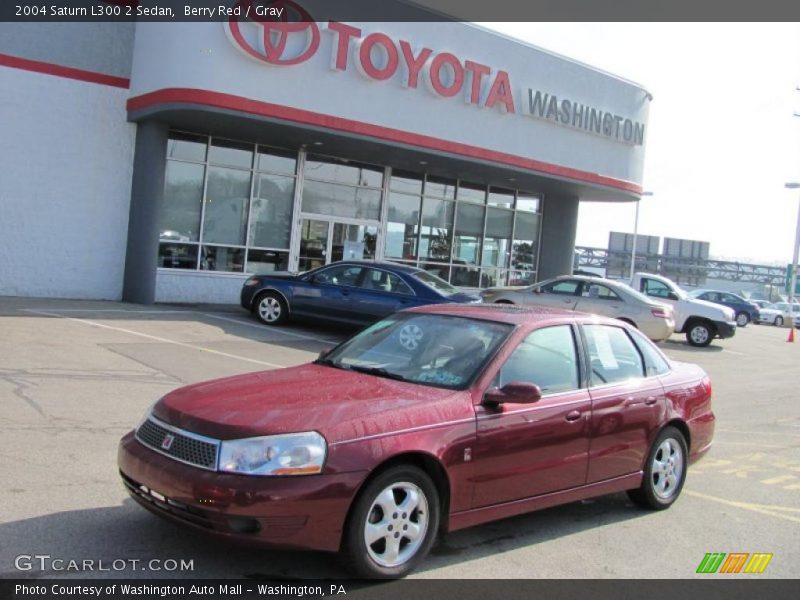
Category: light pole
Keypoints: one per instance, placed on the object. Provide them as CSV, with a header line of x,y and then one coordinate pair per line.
x,y
793,278
635,231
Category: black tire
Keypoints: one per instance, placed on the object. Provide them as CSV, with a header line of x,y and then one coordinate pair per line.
x,y
778,321
363,559
270,308
661,487
699,334
742,319
504,302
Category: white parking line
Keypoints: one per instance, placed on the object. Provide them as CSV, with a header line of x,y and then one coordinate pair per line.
x,y
153,337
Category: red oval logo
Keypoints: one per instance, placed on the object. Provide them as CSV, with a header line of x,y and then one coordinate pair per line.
x,y
269,45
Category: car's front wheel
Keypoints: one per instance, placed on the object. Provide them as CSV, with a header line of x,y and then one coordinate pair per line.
x,y
393,524
699,334
742,319
665,471
271,309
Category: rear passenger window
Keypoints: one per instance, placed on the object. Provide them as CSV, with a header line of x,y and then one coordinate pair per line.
x,y
383,281
547,358
612,355
654,363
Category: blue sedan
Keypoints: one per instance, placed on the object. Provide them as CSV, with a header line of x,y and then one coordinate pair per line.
x,y
744,310
347,293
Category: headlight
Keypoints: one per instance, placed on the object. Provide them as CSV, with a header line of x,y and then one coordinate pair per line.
x,y
288,454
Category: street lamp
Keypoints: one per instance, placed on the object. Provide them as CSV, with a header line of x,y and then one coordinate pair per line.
x,y
793,278
635,230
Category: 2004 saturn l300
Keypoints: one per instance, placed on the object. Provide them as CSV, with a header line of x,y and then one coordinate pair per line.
x,y
433,419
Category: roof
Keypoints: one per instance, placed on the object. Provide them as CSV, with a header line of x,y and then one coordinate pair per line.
x,y
379,263
504,313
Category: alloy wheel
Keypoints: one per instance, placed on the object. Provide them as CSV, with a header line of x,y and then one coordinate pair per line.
x,y
396,524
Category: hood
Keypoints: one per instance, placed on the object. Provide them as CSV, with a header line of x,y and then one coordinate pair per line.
x,y
339,404
279,275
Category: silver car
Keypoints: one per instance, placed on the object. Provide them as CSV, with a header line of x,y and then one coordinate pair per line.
x,y
777,313
592,295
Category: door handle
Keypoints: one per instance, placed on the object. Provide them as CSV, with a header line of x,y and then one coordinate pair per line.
x,y
344,292
573,415
650,400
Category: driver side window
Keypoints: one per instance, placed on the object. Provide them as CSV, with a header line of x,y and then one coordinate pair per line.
x,y
546,357
655,289
342,275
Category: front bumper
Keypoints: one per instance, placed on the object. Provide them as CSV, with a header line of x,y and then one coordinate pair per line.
x,y
725,329
304,512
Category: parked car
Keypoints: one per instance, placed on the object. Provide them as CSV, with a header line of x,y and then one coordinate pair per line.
x,y
379,445
593,295
346,292
744,310
699,320
760,303
777,313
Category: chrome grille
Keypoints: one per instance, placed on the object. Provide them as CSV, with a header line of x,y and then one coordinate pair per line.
x,y
185,446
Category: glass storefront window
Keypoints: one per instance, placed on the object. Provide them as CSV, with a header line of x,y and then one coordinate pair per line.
x,y
179,220
437,229
528,202
271,212
229,206
497,245
524,248
276,161
441,271
220,258
403,181
184,146
402,226
231,154
177,256
440,187
336,200
342,171
227,195
469,234
501,198
493,277
267,261
471,192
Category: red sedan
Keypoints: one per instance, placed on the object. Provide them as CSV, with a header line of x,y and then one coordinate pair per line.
x,y
433,419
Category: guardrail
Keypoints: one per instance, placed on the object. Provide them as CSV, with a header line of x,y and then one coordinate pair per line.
x,y
685,271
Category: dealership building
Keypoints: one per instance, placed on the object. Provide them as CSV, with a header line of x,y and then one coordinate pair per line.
x,y
165,162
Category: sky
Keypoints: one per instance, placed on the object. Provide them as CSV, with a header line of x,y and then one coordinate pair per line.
x,y
722,138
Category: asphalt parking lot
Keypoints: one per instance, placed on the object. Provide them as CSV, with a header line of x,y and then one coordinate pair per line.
x,y
76,375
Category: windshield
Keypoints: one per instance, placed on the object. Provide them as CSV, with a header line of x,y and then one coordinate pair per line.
x,y
437,350
440,285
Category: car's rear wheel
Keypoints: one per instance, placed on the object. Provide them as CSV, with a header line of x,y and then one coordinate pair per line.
x,y
699,334
742,319
665,471
271,309
393,524
778,321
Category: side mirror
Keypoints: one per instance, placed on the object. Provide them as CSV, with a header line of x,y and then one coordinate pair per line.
x,y
514,392
673,296
537,290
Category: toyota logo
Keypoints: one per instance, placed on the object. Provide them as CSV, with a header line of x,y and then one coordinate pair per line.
x,y
275,41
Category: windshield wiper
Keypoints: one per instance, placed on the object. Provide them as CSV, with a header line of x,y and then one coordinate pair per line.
x,y
379,371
